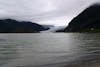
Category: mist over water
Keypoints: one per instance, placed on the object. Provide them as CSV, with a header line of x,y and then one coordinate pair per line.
x,y
48,49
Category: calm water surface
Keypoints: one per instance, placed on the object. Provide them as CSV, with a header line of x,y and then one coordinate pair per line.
x,y
48,49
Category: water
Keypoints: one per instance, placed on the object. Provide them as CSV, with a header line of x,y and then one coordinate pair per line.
x,y
48,49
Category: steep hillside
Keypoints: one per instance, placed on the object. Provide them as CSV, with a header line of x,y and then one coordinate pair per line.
x,y
87,21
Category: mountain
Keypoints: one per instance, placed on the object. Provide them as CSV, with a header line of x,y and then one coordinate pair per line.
x,y
14,26
87,21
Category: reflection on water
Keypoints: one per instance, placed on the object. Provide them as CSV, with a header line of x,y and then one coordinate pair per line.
x,y
48,50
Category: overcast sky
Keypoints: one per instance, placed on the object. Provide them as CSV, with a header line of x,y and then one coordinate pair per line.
x,y
56,12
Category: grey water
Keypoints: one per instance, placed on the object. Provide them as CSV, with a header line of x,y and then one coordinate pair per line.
x,y
48,49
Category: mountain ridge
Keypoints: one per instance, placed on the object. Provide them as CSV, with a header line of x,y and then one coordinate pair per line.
x,y
14,26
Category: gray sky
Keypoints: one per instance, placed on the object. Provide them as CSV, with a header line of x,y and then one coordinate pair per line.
x,y
57,12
